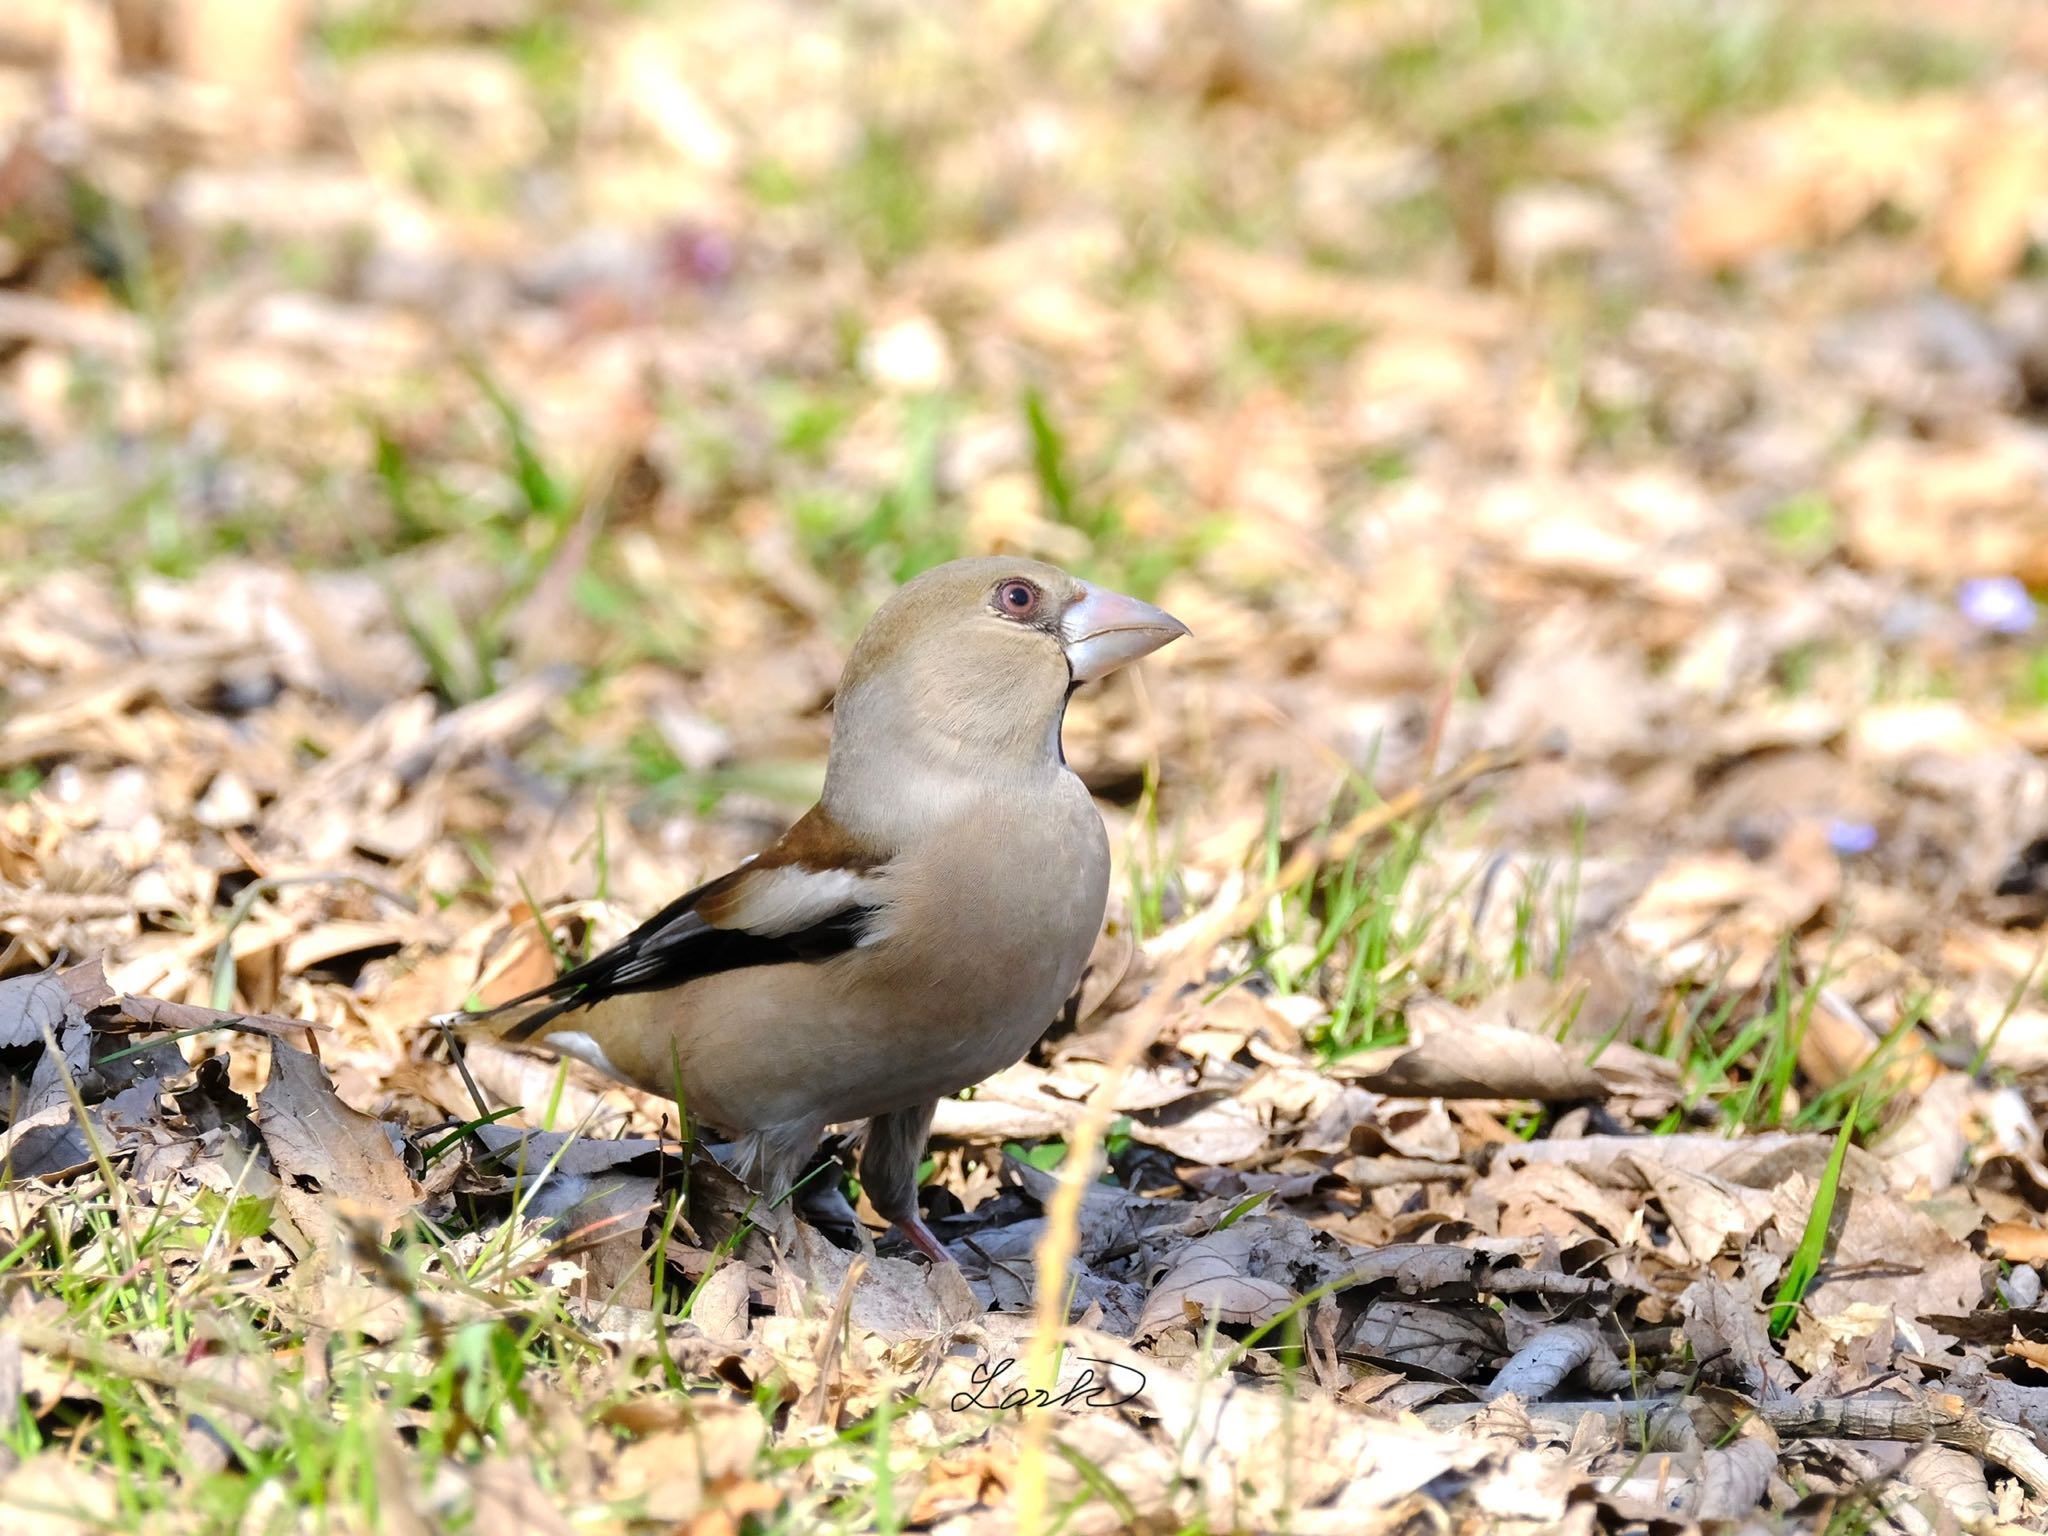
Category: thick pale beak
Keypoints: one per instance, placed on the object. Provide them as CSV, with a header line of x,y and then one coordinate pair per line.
x,y
1106,630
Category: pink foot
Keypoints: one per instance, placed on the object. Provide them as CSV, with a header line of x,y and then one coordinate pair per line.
x,y
921,1238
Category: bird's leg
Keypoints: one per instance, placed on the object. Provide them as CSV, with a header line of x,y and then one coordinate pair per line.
x,y
768,1161
888,1174
820,1199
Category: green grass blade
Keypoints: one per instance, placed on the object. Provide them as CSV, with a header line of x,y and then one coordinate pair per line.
x,y
1806,1260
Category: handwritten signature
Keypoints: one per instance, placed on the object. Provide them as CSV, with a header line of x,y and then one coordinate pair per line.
x,y
1088,1390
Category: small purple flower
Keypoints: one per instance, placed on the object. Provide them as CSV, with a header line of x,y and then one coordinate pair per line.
x,y
2000,604
1849,838
696,253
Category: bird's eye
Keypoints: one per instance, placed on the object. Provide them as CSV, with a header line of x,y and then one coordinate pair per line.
x,y
1017,599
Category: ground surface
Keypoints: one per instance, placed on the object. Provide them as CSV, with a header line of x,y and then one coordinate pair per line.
x,y
1572,1032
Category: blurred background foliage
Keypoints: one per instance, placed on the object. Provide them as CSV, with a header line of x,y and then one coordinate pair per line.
x,y
583,326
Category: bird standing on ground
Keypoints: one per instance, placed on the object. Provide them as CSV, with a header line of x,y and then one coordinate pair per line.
x,y
917,929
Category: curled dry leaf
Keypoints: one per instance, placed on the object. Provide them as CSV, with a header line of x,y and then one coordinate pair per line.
x,y
333,1162
1725,1327
1734,1480
180,1018
1954,1478
1550,1199
1217,1134
720,1304
1705,1212
1209,1281
1539,1367
1480,1061
509,1497
1454,1342
1753,1162
1251,1457
31,1005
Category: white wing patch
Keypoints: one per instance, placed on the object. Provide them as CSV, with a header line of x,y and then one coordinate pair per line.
x,y
778,901
574,1043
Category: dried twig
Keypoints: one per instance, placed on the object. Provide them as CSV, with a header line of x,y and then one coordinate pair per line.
x,y
171,1375
1665,1423
832,1344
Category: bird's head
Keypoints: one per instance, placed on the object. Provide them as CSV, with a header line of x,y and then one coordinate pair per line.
x,y
971,664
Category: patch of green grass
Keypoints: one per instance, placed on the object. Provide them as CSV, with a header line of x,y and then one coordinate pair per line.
x,y
1045,1156
1362,935
654,767
1805,527
808,420
2031,686
1064,501
1863,1097
1153,873
884,195
135,524
548,50
463,655
1298,356
347,33
1759,1104
1537,65
142,1289
904,530
1744,1076
1796,668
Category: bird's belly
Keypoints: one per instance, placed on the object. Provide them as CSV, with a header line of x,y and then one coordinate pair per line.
x,y
932,1043
949,1052
969,967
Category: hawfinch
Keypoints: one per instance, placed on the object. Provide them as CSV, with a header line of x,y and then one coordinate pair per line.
x,y
917,929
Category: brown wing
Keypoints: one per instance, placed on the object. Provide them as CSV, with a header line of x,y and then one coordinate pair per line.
x,y
807,898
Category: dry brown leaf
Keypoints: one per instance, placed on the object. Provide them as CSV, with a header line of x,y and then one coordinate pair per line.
x,y
1810,173
1550,1199
721,1301
1725,901
509,1498
1954,1477
50,1495
1754,1162
2018,1242
180,1018
1725,1326
674,1474
956,1484
1733,1481
1220,1133
1885,1252
1948,511
1453,1342
1705,1212
334,1162
1990,219
31,1005
1538,1368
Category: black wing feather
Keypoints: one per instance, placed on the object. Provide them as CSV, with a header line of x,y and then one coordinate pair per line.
x,y
676,945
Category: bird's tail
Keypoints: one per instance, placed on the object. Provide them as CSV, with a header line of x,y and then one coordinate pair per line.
x,y
523,1019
